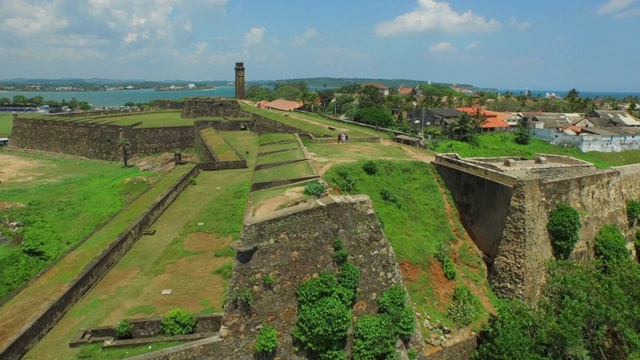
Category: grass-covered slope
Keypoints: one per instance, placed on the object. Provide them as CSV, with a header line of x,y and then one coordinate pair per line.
x,y
420,222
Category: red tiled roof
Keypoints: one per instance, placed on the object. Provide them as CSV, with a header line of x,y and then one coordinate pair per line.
x,y
494,119
282,104
405,91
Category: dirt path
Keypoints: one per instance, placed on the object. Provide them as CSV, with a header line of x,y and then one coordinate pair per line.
x,y
15,169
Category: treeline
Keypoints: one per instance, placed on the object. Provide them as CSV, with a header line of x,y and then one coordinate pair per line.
x,y
37,101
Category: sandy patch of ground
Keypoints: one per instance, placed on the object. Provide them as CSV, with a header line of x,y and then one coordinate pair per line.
x,y
18,169
290,197
7,205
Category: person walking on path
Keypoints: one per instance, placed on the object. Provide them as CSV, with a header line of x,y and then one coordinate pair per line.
x,y
339,137
346,138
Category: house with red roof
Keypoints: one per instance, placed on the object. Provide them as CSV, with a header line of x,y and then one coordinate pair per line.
x,y
496,121
384,90
280,104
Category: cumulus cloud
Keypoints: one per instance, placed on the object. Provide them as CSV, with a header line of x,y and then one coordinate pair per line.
x,y
520,26
436,17
254,37
442,47
302,40
105,28
613,6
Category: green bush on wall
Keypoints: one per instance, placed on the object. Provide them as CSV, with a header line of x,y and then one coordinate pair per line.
x,y
124,329
267,341
564,228
179,322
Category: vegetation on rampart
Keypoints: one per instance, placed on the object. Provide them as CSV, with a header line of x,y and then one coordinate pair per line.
x,y
564,228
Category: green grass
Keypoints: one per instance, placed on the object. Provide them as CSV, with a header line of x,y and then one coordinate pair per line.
x,y
79,192
6,123
268,138
207,307
225,252
224,271
140,310
219,146
291,171
276,147
281,156
245,142
95,351
503,144
148,119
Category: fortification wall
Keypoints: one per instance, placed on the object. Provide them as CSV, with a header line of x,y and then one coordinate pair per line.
x,y
30,334
509,223
204,151
160,139
207,106
168,104
304,241
68,137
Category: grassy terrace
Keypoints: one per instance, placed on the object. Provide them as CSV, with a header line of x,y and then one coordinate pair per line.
x,y
33,299
291,171
504,145
269,138
279,146
281,157
313,124
219,146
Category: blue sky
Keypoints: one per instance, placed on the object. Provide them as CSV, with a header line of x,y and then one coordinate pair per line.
x,y
591,45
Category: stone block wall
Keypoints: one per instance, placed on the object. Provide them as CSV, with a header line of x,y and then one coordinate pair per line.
x,y
93,273
304,241
208,106
168,104
262,125
204,151
160,139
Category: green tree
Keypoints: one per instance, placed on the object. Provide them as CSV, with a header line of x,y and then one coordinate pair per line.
x,y
465,128
523,135
611,244
370,97
20,99
564,226
374,116
74,104
256,92
286,92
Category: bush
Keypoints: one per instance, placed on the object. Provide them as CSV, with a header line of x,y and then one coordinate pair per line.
x,y
192,181
349,276
267,341
373,116
179,322
563,227
314,188
323,326
372,339
370,168
611,244
448,267
636,244
340,256
337,244
463,308
392,300
312,290
393,305
242,299
387,195
345,181
523,136
124,329
633,211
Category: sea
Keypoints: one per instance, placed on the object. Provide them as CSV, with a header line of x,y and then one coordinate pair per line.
x,y
120,97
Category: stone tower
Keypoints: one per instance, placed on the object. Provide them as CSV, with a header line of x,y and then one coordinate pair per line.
x,y
240,90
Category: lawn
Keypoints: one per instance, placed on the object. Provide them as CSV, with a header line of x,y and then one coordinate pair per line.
x,y
269,138
503,144
280,146
219,146
291,171
290,155
245,142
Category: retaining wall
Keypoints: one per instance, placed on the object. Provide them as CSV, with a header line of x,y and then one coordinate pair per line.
x,y
262,125
223,165
203,106
92,273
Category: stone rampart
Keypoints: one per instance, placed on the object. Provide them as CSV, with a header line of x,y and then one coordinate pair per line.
x,y
509,222
168,104
97,141
262,125
223,165
208,106
460,350
203,149
222,125
33,332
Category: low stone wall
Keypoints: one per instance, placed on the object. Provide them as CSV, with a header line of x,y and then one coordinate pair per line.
x,y
168,104
460,350
204,349
93,273
223,165
262,125
221,125
271,184
203,149
272,165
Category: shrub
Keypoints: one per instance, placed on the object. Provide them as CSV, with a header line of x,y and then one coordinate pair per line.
x,y
337,244
393,304
636,243
341,256
349,276
372,339
633,211
463,308
392,300
267,341
563,226
323,326
370,168
448,267
242,299
523,136
345,181
312,290
179,322
314,188
192,181
124,329
387,195
268,280
611,244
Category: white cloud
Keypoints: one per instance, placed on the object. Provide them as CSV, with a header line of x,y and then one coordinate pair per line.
x,y
472,45
520,26
302,40
613,6
628,13
442,47
436,17
254,37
